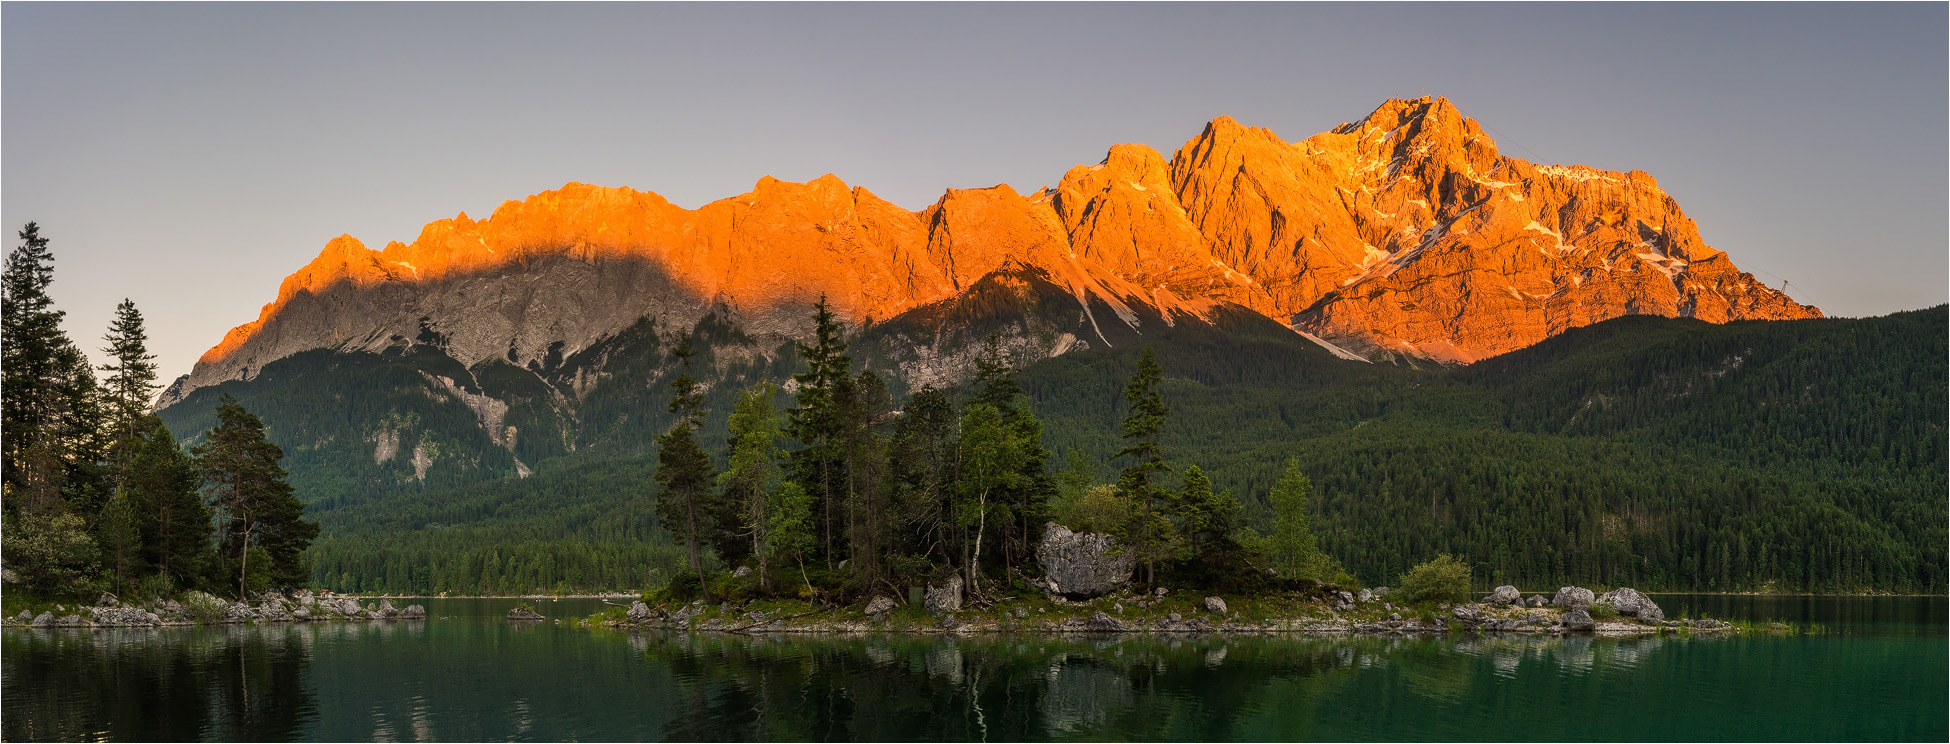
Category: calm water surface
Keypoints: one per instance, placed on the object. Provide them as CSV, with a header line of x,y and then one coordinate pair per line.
x,y
1879,671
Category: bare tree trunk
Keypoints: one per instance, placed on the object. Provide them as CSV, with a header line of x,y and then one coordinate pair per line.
x,y
981,525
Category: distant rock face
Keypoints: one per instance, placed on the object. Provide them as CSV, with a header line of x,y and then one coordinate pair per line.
x,y
1082,565
1405,233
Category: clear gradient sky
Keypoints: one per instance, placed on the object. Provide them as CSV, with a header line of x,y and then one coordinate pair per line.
x,y
191,156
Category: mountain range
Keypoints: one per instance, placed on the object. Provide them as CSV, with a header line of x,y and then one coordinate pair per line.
x,y
1404,234
537,341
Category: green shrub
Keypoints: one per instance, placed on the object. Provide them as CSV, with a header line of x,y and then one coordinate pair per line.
x,y
1096,509
1602,611
204,607
1444,579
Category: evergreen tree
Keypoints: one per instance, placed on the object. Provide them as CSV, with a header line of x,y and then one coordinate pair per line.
x,y
131,383
121,539
863,406
748,478
816,421
789,526
922,472
46,384
1147,532
254,505
175,523
30,337
1210,524
685,503
1296,552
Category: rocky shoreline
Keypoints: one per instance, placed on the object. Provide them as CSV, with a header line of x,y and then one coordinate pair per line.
x,y
1573,610
197,608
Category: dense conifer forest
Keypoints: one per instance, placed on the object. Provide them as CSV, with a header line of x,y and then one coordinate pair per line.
x,y
1650,452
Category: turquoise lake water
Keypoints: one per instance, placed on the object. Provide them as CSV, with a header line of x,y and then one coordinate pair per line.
x,y
1878,670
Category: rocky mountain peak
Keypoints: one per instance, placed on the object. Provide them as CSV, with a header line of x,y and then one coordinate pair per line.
x,y
1406,232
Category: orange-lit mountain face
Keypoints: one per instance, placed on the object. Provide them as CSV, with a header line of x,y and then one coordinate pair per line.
x,y
1404,233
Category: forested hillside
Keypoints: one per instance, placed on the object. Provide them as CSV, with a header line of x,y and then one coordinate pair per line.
x,y
1657,453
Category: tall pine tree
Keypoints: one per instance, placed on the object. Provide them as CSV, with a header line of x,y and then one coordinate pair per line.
x,y
130,386
685,501
817,423
256,510
1147,532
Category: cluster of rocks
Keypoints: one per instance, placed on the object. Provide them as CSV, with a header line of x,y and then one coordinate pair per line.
x,y
302,606
697,616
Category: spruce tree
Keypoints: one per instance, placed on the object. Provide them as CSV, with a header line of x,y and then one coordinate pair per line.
x,y
1209,522
816,420
1147,532
254,505
131,383
922,472
685,503
30,337
1296,551
175,523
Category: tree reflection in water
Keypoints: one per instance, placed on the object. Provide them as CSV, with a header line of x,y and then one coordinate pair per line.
x,y
237,683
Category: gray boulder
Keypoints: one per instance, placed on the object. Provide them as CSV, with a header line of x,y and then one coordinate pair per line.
x,y
639,612
43,620
301,614
123,617
1466,614
1215,605
239,612
25,616
1627,600
524,614
1578,619
879,604
1505,595
413,612
1707,623
1380,591
1103,621
1082,564
1537,600
107,600
1574,596
742,572
1364,596
1650,613
386,610
945,597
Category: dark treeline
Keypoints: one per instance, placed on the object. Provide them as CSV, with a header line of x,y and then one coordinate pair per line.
x,y
97,493
1650,452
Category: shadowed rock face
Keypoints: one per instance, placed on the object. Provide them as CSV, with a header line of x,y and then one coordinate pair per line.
x,y
1405,233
